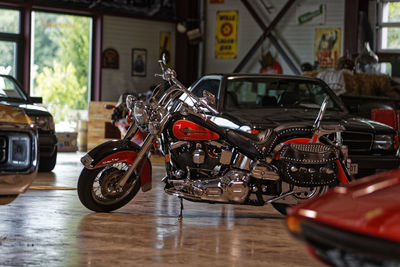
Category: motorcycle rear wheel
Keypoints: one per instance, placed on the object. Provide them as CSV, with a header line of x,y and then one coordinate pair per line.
x,y
297,198
97,188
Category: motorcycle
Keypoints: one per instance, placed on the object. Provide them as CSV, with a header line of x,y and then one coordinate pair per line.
x,y
207,163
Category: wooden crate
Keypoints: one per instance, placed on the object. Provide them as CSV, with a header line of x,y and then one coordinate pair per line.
x,y
98,117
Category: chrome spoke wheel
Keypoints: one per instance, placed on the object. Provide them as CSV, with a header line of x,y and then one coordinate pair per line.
x,y
105,188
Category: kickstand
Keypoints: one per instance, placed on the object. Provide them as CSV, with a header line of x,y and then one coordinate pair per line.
x,y
181,214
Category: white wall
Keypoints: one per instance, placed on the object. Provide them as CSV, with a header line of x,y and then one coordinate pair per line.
x,y
123,34
298,38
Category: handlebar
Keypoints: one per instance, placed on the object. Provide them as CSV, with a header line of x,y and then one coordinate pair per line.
x,y
169,75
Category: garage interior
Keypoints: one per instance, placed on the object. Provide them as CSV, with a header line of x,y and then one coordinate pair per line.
x,y
48,226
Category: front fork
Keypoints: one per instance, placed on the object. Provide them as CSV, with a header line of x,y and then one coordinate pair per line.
x,y
145,148
148,142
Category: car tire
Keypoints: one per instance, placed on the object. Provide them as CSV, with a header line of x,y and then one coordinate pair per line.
x,y
7,199
47,164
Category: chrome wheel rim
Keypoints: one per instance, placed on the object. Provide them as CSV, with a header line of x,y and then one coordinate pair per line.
x,y
104,188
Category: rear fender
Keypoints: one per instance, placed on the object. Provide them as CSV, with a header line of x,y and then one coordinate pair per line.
x,y
115,151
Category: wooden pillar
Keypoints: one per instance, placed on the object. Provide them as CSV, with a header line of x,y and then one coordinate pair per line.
x,y
351,24
97,53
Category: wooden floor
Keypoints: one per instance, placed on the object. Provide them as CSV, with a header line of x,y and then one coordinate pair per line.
x,y
47,226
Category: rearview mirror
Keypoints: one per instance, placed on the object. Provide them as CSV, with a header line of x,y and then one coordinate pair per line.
x,y
164,59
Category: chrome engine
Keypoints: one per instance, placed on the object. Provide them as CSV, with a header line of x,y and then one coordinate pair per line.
x,y
209,171
232,187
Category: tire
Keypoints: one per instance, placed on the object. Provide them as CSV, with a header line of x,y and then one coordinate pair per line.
x,y
281,207
47,164
104,198
315,192
4,200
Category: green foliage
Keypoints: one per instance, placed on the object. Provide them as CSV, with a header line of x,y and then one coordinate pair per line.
x,y
9,23
45,41
75,48
394,12
59,85
393,33
62,45
7,54
9,20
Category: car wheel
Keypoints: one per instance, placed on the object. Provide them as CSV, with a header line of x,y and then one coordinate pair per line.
x,y
7,199
47,164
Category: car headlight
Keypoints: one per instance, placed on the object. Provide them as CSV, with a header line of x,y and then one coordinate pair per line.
x,y
141,112
44,122
383,142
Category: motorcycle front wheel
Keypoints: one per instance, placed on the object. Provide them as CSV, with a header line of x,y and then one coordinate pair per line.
x,y
302,194
98,191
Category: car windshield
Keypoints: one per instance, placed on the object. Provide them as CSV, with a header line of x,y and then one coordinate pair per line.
x,y
254,93
9,89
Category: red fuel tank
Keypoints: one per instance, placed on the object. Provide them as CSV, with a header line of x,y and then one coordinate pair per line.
x,y
188,130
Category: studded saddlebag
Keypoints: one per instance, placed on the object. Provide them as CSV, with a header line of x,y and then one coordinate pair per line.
x,y
309,164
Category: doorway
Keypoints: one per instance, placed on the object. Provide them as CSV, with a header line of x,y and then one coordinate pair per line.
x,y
60,65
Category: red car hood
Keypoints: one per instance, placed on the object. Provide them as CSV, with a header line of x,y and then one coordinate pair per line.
x,y
368,206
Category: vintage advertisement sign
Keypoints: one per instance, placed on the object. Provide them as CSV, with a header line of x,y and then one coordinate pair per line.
x,y
327,46
165,46
226,35
311,14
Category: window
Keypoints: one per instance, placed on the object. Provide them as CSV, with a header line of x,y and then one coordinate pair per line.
x,y
210,85
389,26
254,93
10,42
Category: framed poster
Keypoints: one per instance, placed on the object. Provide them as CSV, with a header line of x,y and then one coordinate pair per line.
x,y
139,62
327,46
110,59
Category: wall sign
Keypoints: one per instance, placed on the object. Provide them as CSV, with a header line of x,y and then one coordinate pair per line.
x,y
165,45
110,59
311,14
327,46
139,62
226,35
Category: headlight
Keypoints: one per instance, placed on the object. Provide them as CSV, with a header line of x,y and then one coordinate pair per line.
x,y
141,113
19,151
130,102
383,142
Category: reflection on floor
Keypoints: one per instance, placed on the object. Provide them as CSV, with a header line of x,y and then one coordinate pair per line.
x,y
47,226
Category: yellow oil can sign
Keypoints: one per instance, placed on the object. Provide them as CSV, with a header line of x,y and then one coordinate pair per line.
x,y
226,35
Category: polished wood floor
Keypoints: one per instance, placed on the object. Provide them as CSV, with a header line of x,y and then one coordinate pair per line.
x,y
47,226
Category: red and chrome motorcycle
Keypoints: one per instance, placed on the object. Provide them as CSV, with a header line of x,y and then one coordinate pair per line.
x,y
207,163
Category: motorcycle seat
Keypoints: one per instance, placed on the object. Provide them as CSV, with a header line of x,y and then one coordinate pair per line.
x,y
253,145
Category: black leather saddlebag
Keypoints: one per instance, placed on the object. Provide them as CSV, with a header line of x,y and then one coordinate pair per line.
x,y
309,164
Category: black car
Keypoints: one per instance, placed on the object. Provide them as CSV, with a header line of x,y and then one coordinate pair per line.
x,y
252,102
11,92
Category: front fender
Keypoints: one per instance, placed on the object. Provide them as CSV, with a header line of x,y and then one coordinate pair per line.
x,y
115,151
